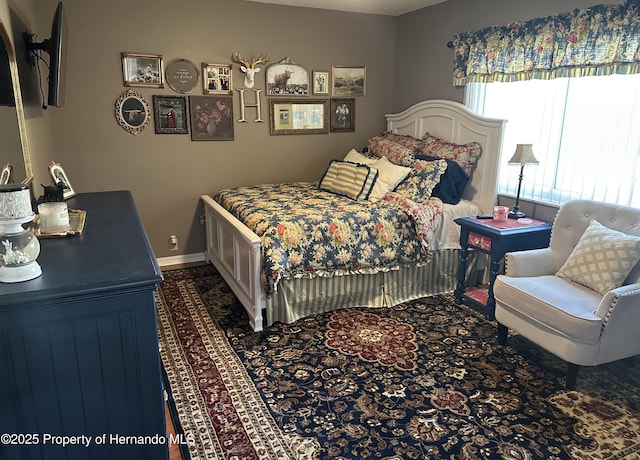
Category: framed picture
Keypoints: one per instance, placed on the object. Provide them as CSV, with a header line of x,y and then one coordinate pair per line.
x,y
132,111
142,70
6,174
170,114
182,76
348,81
57,174
216,79
343,115
286,78
298,117
211,118
320,83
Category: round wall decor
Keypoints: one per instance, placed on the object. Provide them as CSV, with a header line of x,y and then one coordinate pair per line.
x,y
132,111
182,76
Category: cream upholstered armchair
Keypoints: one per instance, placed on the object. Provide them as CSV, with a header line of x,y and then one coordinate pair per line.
x,y
580,297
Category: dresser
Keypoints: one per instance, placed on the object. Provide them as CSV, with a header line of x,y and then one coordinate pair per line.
x,y
80,374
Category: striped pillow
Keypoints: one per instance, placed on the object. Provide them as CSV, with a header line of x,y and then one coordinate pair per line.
x,y
352,180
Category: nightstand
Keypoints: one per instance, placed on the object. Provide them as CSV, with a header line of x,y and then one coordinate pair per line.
x,y
495,239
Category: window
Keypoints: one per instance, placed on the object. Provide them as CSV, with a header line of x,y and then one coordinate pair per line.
x,y
585,133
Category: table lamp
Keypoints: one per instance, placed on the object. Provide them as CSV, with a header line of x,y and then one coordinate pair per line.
x,y
522,156
18,247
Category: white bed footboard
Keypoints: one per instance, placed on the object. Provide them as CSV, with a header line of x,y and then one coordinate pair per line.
x,y
235,252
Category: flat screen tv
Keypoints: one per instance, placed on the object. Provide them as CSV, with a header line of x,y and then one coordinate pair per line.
x,y
6,81
56,47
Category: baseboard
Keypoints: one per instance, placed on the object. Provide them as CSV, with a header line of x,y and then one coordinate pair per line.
x,y
183,259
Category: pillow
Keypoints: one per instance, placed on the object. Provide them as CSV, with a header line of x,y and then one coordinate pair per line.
x,y
602,259
404,139
452,182
396,153
389,176
356,157
349,179
424,176
465,155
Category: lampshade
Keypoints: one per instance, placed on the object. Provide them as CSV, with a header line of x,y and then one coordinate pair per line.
x,y
15,202
523,155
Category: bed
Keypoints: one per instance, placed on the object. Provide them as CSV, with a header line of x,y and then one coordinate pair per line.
x,y
235,250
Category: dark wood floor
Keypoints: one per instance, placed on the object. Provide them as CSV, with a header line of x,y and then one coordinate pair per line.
x,y
174,449
184,265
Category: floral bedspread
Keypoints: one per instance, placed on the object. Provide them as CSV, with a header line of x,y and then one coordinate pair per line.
x,y
310,232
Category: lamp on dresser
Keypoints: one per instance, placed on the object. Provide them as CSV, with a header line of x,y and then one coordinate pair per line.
x,y
522,156
18,247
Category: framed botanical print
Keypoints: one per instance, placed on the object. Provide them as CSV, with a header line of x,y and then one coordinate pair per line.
x,y
211,118
144,70
216,79
348,80
57,174
286,78
132,111
170,114
343,115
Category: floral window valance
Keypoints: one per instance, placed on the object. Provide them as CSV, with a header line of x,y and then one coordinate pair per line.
x,y
600,40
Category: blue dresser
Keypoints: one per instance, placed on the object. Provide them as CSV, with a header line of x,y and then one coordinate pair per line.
x,y
80,374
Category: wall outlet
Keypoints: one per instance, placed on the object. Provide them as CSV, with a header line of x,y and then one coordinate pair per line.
x,y
173,243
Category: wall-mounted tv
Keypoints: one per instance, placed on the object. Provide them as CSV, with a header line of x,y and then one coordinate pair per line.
x,y
56,47
6,80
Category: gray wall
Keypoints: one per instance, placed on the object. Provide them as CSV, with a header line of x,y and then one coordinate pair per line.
x,y
406,57
167,173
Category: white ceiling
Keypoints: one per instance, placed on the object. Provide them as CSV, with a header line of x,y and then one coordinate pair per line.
x,y
385,7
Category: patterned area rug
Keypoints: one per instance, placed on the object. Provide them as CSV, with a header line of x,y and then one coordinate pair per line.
x,y
425,379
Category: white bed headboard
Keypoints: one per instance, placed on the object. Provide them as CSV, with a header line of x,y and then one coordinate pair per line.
x,y
454,122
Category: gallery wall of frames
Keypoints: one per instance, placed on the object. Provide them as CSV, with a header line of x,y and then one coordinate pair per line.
x,y
298,101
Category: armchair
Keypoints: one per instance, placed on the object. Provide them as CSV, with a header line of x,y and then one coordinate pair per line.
x,y
580,297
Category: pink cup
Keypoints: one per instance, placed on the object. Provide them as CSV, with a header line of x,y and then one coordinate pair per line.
x,y
500,213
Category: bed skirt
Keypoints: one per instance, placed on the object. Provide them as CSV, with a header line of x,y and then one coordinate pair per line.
x,y
301,297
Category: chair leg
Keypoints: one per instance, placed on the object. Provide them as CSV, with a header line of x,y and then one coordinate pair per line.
x,y
572,375
502,334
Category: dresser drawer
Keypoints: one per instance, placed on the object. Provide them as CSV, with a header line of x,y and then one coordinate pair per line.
x,y
479,241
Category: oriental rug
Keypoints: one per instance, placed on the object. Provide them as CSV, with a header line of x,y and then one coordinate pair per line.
x,y
421,380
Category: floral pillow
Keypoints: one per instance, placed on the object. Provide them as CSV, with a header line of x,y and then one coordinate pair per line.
x,y
396,153
422,179
404,139
466,155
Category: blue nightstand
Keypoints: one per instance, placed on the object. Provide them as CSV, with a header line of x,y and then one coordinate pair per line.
x,y
495,239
